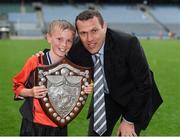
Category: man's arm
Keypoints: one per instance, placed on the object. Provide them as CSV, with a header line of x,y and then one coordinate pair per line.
x,y
139,70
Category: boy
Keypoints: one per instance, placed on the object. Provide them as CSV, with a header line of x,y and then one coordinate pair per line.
x,y
35,122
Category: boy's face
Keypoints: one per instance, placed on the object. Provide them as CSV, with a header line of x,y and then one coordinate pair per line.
x,y
61,41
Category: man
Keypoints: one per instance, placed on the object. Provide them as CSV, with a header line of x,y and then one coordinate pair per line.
x,y
127,83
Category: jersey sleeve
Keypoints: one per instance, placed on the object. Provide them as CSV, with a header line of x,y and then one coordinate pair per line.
x,y
21,78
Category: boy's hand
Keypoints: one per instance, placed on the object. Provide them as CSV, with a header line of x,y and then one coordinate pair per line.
x,y
89,89
39,91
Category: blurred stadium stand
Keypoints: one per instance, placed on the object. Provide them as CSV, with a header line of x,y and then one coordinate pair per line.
x,y
142,20
98,1
130,19
169,16
25,24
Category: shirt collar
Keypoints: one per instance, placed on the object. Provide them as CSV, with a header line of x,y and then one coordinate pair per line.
x,y
101,51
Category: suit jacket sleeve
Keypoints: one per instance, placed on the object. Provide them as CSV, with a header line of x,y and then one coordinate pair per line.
x,y
139,70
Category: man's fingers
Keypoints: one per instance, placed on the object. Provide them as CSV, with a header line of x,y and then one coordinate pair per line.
x,y
127,134
134,134
126,130
39,53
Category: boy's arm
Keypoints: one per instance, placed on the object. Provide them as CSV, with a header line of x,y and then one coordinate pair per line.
x,y
20,79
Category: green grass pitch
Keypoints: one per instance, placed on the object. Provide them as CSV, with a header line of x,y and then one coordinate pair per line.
x,y
163,57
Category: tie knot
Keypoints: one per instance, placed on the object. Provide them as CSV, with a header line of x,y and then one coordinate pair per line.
x,y
97,56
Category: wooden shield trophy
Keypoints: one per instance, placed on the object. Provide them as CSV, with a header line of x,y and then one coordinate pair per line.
x,y
65,82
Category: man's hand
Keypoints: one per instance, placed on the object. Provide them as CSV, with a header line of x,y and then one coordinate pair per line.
x,y
126,129
39,53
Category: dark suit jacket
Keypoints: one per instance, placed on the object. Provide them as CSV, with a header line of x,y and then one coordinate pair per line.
x,y
127,74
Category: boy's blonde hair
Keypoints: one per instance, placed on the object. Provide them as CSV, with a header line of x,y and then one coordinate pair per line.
x,y
62,24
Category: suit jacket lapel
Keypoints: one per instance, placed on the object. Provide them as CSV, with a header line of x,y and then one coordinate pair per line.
x,y
107,60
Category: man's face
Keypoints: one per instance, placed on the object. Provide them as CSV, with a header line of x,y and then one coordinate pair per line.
x,y
61,41
92,34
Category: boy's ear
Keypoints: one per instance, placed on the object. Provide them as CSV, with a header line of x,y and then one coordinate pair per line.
x,y
48,37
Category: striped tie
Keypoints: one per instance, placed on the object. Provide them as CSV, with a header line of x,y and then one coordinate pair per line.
x,y
99,102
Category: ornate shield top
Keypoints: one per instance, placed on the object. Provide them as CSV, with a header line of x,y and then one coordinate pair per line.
x,y
66,97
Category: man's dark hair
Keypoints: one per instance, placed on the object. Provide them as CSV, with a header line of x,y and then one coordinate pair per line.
x,y
89,14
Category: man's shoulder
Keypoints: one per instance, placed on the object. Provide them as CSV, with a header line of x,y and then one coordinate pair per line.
x,y
119,39
121,42
119,35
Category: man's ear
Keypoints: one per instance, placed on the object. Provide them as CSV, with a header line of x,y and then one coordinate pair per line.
x,y
105,26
